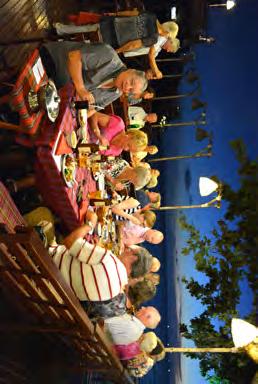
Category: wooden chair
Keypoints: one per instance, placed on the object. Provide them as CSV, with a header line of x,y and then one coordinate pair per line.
x,y
35,283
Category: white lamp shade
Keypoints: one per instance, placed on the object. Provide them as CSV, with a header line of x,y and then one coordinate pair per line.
x,y
230,4
243,333
207,186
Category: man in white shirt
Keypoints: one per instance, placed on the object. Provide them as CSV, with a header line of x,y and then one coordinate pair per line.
x,y
93,272
126,329
138,117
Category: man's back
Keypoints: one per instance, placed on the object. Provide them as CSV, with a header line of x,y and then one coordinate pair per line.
x,y
124,329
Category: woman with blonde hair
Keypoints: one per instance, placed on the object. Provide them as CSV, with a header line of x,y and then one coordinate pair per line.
x,y
154,178
138,156
120,174
109,130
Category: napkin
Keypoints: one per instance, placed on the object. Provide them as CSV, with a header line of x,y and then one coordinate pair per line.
x,y
62,147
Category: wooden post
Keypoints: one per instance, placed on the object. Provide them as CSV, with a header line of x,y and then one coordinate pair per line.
x,y
197,155
180,124
202,350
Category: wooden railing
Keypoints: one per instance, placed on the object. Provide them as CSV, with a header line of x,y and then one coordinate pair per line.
x,y
37,286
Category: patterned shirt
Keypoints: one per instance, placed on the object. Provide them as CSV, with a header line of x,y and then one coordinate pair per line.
x,y
129,211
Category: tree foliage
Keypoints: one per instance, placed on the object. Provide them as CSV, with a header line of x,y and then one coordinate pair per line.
x,y
226,257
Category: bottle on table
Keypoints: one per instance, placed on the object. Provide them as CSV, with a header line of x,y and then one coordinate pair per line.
x,y
99,199
80,104
92,148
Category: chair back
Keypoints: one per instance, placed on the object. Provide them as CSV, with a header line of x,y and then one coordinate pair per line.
x,y
36,285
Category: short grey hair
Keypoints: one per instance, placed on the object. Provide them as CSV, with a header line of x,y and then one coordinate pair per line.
x,y
142,76
143,263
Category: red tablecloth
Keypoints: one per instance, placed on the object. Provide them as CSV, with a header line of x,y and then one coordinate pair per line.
x,y
9,213
30,78
50,182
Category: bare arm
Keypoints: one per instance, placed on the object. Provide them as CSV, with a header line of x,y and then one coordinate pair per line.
x,y
96,122
118,209
152,60
126,216
76,234
130,46
74,65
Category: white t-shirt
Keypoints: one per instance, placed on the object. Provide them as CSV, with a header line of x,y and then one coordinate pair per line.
x,y
145,50
136,115
124,329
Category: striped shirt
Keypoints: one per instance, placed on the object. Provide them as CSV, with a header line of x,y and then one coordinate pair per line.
x,y
129,211
93,272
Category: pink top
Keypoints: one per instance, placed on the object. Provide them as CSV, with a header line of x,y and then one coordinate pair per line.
x,y
129,351
133,233
115,126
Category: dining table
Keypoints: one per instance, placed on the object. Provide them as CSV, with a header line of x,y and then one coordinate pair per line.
x,y
51,147
50,143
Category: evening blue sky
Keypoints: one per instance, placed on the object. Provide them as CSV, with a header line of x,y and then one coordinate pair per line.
x,y
229,80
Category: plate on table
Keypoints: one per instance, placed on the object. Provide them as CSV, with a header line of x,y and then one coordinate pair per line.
x,y
69,169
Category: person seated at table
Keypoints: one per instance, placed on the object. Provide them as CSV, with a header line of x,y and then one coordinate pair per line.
x,y
154,277
93,272
137,157
126,329
154,178
135,234
133,99
130,32
146,218
98,74
110,130
126,209
135,295
146,343
138,117
154,175
139,357
148,199
120,174
141,291
130,209
138,262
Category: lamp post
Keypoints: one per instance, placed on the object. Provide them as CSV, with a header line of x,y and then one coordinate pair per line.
x,y
163,123
181,96
228,5
244,337
206,152
206,187
184,58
